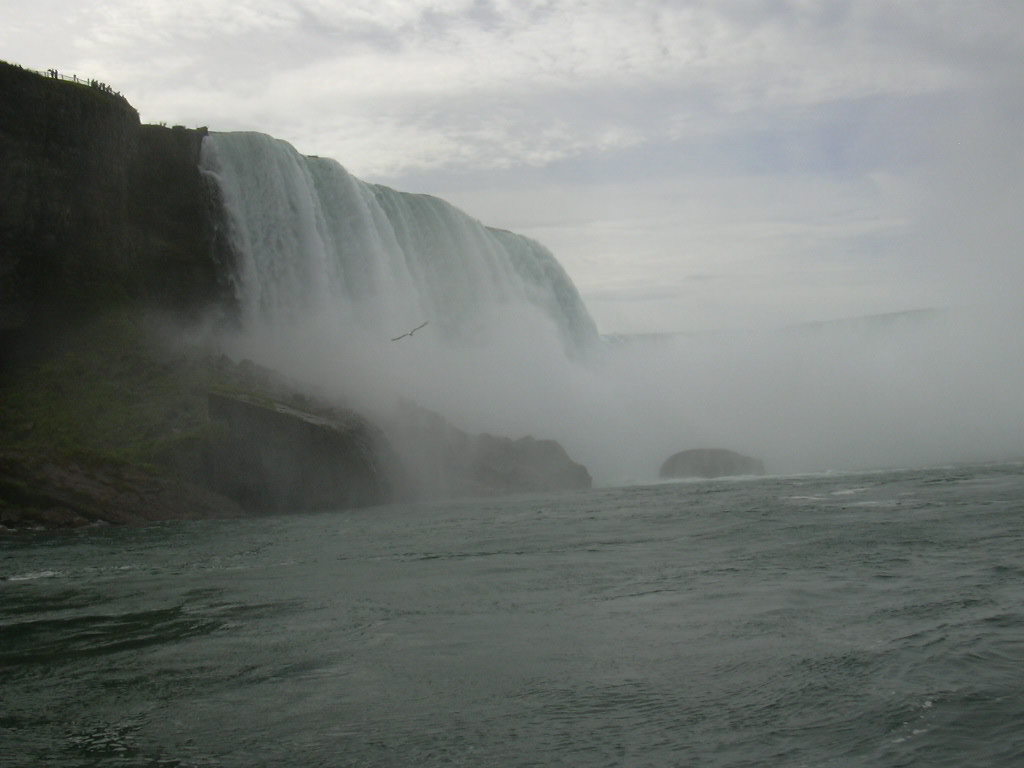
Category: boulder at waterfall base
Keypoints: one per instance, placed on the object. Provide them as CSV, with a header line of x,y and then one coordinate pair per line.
x,y
710,462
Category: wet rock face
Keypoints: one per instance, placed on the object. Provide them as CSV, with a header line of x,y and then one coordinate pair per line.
x,y
442,461
710,462
97,208
276,458
503,465
40,492
65,151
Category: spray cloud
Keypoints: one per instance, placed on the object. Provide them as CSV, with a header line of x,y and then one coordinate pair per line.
x,y
333,269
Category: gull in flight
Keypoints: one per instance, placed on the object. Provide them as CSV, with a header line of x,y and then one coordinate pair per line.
x,y
410,333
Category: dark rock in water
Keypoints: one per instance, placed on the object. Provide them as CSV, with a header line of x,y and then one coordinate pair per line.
x,y
276,458
710,462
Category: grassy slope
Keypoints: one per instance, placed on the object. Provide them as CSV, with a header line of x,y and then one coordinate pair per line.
x,y
111,423
91,429
110,390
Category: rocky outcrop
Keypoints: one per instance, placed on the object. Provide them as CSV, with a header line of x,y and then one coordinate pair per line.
x,y
503,465
121,427
45,492
442,461
710,462
272,457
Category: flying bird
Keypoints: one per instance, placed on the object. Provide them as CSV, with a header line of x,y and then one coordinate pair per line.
x,y
410,333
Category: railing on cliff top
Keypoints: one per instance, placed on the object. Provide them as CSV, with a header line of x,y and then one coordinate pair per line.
x,y
103,87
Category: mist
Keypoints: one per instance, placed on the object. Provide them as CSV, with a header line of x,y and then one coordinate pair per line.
x,y
334,272
899,391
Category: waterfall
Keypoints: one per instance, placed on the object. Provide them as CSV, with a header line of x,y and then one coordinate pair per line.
x,y
310,238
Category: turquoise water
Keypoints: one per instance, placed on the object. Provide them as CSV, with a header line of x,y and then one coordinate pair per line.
x,y
833,620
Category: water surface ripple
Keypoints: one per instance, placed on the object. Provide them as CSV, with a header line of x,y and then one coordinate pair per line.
x,y
872,619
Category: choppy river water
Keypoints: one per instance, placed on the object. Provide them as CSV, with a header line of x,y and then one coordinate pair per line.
x,y
872,619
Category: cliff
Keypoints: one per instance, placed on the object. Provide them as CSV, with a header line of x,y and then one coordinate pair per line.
x,y
124,422
277,458
97,209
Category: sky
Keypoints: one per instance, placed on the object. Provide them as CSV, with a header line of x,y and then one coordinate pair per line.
x,y
694,164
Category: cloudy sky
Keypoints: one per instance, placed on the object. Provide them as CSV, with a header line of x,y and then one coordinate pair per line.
x,y
693,164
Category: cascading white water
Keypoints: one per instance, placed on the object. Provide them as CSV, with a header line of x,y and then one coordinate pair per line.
x,y
311,238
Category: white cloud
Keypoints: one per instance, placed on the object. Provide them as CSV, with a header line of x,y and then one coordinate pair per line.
x,y
428,63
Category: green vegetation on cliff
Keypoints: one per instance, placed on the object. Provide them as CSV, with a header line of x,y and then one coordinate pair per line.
x,y
97,413
103,221
111,422
105,389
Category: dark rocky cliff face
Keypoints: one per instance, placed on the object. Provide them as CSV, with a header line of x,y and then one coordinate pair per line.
x,y
97,209
175,232
275,458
